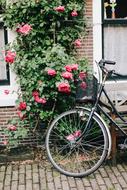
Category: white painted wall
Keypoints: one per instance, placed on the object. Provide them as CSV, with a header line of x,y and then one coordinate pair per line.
x,y
97,34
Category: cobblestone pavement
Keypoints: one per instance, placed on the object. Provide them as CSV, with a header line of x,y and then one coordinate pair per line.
x,y
34,176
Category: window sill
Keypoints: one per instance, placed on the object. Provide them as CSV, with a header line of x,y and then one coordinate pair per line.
x,y
10,98
7,100
115,21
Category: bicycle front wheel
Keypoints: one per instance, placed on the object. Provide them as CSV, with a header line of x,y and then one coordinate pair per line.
x,y
72,153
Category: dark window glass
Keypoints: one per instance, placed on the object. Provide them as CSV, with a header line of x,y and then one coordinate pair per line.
x,y
114,9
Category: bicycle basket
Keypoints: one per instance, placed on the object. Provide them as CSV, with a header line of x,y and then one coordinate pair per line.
x,y
89,91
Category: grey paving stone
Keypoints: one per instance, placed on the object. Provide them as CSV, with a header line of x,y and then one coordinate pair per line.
x,y
22,169
120,168
80,184
28,167
124,174
94,184
63,177
99,179
49,176
2,168
7,180
15,175
116,171
108,183
86,182
28,174
9,169
42,173
103,187
2,176
122,182
71,182
118,187
89,188
35,167
65,185
7,188
50,186
21,178
28,185
113,178
103,172
1,185
35,178
43,183
21,187
57,182
36,187
14,185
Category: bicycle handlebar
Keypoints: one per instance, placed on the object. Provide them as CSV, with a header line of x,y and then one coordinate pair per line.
x,y
108,62
102,64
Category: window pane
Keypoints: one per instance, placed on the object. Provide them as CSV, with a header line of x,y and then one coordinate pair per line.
x,y
114,9
115,47
3,72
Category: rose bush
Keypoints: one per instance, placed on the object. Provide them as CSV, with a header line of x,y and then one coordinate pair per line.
x,y
44,58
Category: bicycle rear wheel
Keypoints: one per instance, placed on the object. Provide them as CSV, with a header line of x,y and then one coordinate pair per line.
x,y
70,154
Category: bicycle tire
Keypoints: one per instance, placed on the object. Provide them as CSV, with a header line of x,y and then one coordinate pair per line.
x,y
70,157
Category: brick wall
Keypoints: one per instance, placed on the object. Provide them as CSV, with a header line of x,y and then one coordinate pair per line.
x,y
86,50
87,43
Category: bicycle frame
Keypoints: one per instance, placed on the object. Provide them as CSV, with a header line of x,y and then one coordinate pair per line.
x,y
112,110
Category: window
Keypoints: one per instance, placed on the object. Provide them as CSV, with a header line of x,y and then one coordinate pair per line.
x,y
114,33
7,77
115,9
4,68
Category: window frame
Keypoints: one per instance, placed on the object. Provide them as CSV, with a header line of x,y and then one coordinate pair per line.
x,y
5,81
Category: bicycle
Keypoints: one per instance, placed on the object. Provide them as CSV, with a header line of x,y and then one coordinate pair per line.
x,y
78,141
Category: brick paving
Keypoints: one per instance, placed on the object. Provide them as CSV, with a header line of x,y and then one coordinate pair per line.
x,y
36,176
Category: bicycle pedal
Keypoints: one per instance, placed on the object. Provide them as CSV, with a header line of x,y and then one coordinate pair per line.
x,y
123,146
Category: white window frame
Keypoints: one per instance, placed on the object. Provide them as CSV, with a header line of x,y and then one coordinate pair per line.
x,y
97,34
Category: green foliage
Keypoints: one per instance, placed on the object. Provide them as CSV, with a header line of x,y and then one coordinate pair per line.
x,y
48,45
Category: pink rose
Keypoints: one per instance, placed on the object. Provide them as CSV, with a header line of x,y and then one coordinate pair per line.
x,y
74,13
40,100
83,85
51,72
74,67
77,43
22,106
67,75
35,93
64,87
21,116
12,128
60,9
25,29
77,133
70,137
10,57
82,75
6,92
68,68
5,142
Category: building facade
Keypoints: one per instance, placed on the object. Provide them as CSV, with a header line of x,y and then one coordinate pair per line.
x,y
106,38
